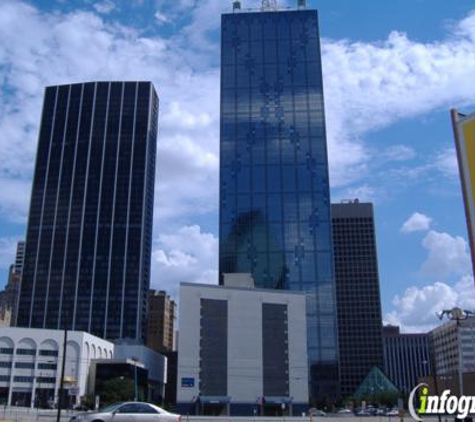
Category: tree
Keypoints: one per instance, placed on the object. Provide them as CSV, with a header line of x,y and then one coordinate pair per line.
x,y
115,390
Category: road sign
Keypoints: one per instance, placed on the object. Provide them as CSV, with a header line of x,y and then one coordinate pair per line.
x,y
188,382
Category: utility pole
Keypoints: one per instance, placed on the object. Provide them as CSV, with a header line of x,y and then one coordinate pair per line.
x,y
63,367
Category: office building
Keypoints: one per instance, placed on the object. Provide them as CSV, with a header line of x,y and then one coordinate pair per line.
x,y
357,293
274,189
407,358
9,296
451,343
160,321
19,257
88,245
242,351
155,366
30,365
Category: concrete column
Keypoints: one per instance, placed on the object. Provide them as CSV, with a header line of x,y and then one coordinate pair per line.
x,y
12,373
33,392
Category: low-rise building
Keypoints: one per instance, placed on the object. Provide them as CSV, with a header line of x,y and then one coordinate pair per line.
x,y
154,363
406,357
31,359
161,315
453,344
242,351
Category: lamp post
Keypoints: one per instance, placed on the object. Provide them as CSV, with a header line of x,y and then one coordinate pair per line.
x,y
457,314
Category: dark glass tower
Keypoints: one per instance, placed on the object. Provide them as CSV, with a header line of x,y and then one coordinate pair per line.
x,y
357,287
88,242
274,192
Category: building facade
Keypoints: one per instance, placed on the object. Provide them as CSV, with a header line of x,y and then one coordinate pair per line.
x,y
161,317
274,188
88,245
241,351
19,257
407,358
9,296
452,343
30,365
357,292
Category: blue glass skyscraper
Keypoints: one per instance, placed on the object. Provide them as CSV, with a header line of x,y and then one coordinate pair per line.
x,y
274,190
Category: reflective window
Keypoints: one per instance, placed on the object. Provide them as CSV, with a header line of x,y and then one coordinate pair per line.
x,y
274,192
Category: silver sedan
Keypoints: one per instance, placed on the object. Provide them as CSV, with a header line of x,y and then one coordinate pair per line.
x,y
128,412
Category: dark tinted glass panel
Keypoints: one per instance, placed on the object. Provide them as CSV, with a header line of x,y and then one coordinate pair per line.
x,y
87,259
214,348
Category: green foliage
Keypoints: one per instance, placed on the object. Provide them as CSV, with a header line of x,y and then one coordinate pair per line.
x,y
115,390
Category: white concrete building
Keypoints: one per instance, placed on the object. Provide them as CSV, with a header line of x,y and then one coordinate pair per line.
x,y
452,342
31,359
241,350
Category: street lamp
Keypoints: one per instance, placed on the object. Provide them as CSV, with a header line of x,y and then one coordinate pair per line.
x,y
457,314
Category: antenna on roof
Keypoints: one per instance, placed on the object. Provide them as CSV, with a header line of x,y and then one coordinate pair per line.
x,y
302,4
236,6
269,5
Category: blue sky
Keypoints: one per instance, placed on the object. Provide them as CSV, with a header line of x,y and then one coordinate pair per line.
x,y
392,70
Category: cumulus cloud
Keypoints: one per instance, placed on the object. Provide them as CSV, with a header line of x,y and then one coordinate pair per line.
x,y
40,49
415,310
371,85
367,86
447,255
416,222
188,254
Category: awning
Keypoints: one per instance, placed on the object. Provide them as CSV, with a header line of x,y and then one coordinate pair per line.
x,y
214,399
278,400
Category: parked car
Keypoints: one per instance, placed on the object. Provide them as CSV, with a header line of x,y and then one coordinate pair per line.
x,y
128,412
392,412
316,412
345,412
364,412
82,407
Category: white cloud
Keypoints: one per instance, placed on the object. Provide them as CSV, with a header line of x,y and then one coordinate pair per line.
x,y
447,255
416,310
446,162
363,193
416,222
371,85
105,7
39,49
161,18
367,86
399,153
185,255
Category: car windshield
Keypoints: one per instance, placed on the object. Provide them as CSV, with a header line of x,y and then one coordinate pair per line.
x,y
110,408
